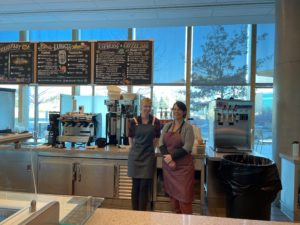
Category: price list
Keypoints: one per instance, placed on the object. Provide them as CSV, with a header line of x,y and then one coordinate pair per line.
x,y
63,63
16,63
123,62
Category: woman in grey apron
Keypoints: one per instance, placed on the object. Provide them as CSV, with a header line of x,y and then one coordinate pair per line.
x,y
176,145
143,135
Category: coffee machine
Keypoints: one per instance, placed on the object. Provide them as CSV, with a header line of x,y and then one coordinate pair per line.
x,y
230,125
77,127
118,120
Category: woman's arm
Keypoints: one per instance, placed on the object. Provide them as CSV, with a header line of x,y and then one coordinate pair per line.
x,y
188,139
163,131
188,142
155,142
131,132
162,147
130,141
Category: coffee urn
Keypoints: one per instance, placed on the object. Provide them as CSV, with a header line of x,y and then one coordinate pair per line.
x,y
120,112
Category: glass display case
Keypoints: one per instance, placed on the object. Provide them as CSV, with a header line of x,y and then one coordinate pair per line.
x,y
28,208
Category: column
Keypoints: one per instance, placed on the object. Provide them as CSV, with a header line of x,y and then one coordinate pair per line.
x,y
23,95
286,98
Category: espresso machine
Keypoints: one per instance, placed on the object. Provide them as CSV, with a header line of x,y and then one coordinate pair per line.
x,y
230,125
118,120
77,127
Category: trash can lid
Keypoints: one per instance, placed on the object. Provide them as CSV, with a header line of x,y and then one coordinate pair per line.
x,y
247,160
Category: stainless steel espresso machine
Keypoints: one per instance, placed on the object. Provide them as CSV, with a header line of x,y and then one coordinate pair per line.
x,y
77,127
118,120
230,125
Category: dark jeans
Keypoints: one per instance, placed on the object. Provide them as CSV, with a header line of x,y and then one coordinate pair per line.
x,y
140,193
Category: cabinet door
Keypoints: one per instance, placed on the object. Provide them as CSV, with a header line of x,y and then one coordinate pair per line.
x,y
95,179
16,171
55,175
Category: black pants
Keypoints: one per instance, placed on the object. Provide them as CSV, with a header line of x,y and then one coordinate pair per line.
x,y
140,193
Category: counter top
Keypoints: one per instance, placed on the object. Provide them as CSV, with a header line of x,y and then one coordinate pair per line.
x,y
8,138
109,151
295,159
128,217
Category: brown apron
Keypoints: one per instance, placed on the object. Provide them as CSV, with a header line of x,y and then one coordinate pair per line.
x,y
178,182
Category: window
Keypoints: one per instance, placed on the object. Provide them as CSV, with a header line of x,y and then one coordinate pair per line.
x,y
144,91
50,35
102,90
9,36
48,100
263,121
104,34
264,96
265,53
202,95
163,99
220,55
27,110
219,68
169,52
86,90
15,87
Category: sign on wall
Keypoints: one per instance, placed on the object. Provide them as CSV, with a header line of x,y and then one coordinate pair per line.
x,y
63,63
16,63
123,62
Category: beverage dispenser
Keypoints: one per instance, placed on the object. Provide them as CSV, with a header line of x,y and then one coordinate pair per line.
x,y
118,119
230,125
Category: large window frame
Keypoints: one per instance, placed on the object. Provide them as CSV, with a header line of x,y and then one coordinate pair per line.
x,y
187,68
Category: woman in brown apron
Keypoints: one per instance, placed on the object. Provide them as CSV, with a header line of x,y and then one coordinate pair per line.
x,y
176,144
144,132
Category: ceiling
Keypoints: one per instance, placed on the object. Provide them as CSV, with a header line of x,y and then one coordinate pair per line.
x,y
72,14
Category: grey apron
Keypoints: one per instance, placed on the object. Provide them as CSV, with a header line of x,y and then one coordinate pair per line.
x,y
141,158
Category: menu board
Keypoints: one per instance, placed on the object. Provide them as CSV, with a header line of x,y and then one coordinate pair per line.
x,y
63,62
16,63
123,62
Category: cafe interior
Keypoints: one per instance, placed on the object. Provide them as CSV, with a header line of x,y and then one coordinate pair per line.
x,y
73,75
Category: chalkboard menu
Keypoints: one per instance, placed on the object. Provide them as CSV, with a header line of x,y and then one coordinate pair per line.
x,y
16,63
63,63
123,62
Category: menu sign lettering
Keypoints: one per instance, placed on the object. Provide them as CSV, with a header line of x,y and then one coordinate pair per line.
x,y
16,63
123,62
63,63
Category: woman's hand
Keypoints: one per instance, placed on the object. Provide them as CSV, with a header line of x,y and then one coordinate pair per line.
x,y
172,165
168,158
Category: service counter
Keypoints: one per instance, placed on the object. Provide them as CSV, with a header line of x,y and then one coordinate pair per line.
x,y
100,172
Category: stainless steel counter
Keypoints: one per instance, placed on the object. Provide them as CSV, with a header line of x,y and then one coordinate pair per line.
x,y
100,172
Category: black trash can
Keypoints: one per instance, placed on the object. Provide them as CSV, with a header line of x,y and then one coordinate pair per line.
x,y
251,184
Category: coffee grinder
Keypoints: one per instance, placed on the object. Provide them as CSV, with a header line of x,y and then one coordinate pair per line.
x,y
53,128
